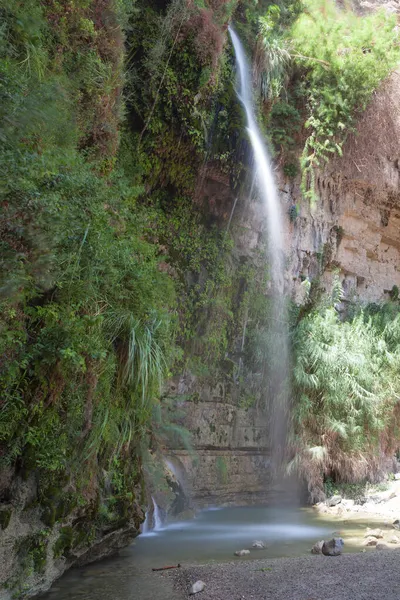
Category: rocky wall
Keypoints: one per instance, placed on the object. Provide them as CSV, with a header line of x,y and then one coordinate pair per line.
x,y
352,231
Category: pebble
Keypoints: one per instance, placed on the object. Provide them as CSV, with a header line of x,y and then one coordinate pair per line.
x,y
197,587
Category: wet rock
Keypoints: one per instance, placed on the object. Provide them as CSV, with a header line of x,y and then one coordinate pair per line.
x,y
381,546
258,545
370,541
333,548
317,548
334,500
241,552
376,533
197,587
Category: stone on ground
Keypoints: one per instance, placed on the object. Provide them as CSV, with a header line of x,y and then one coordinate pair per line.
x,y
197,587
333,548
370,541
317,548
334,500
258,544
376,533
242,552
394,540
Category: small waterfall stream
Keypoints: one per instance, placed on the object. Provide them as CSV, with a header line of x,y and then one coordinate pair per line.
x,y
158,520
277,358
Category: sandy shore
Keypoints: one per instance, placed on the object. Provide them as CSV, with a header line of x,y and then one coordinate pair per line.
x,y
374,575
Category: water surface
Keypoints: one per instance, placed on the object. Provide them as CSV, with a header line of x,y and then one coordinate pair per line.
x,y
212,536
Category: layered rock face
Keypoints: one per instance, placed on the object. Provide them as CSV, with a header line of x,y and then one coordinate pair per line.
x,y
231,463
354,229
37,546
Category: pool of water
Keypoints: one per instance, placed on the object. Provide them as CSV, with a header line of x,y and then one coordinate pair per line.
x,y
212,536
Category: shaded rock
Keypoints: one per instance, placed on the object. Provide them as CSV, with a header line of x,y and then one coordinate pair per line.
x,y
370,541
376,533
317,548
396,522
333,548
258,545
197,587
381,546
241,552
334,500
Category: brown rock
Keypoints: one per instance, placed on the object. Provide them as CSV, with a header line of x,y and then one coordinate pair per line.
x,y
370,541
376,533
317,548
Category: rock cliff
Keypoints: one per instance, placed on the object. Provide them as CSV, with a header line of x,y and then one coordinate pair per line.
x,y
353,232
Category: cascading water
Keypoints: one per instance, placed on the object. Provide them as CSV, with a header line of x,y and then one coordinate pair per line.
x,y
158,521
276,359
146,524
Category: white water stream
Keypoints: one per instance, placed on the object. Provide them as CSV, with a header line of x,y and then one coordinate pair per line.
x,y
277,356
265,178
158,521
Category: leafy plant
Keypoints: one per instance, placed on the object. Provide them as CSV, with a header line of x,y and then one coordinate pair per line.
x,y
346,383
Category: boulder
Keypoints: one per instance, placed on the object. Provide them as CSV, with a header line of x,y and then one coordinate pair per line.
x,y
334,500
258,545
241,552
197,587
376,533
370,541
333,548
317,548
394,540
381,546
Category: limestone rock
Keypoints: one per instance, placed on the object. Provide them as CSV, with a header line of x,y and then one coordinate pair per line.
x,y
394,540
317,548
381,546
370,541
242,552
333,548
334,500
376,533
258,545
197,587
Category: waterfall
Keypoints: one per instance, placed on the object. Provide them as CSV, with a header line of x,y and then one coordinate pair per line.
x,y
158,521
276,362
146,524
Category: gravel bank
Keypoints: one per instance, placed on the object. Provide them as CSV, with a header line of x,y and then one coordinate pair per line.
x,y
374,575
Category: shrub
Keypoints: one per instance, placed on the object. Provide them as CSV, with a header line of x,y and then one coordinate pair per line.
x,y
347,391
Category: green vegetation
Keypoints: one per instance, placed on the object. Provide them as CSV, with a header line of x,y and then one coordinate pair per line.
x,y
324,66
105,119
116,268
346,380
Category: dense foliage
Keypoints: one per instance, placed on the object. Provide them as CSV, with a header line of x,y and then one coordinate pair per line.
x,y
99,240
329,60
87,314
346,379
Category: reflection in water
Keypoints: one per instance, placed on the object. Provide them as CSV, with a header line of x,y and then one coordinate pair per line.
x,y
212,536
